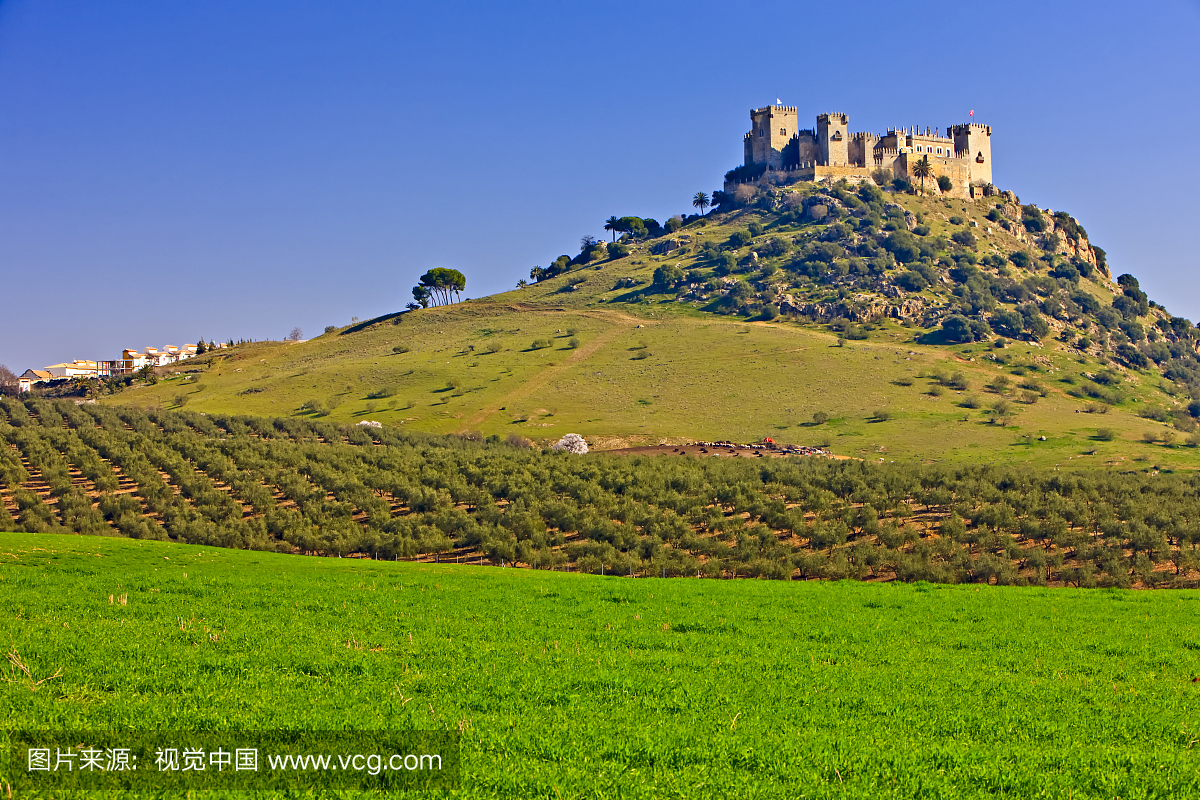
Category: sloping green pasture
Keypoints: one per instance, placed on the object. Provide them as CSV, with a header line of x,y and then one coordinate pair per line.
x,y
682,375
567,685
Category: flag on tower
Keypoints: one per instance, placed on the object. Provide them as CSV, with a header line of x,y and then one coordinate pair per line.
x,y
972,113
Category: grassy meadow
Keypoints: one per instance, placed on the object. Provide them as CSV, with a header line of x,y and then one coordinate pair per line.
x,y
568,685
671,373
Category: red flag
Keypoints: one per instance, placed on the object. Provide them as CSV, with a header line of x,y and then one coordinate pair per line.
x,y
972,113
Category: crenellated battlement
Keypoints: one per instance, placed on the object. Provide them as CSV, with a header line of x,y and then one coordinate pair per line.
x,y
960,152
976,127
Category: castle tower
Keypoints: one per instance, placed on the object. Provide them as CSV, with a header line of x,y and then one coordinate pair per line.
x,y
832,140
974,143
771,128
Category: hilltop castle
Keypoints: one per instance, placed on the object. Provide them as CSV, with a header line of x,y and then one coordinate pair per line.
x,y
775,142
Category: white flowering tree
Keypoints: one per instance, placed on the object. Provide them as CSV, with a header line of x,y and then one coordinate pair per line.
x,y
572,443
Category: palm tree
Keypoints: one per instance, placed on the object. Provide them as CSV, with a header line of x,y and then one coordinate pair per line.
x,y
701,202
922,170
612,224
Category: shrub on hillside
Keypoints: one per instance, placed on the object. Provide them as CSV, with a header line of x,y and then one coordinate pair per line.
x,y
1032,219
667,276
518,441
958,328
738,239
944,183
911,281
1021,259
964,238
903,246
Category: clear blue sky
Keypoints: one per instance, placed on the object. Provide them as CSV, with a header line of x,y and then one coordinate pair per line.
x,y
234,169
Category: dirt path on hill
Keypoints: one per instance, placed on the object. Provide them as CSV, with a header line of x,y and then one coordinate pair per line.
x,y
621,323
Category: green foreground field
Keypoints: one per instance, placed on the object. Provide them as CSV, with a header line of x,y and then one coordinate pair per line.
x,y
567,685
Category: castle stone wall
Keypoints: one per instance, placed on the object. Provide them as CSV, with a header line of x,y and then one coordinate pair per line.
x,y
833,139
776,141
974,142
771,128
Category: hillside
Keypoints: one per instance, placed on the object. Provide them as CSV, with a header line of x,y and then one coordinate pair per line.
x,y
575,686
882,324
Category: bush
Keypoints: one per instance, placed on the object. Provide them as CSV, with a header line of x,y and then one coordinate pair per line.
x,y
956,220
882,415
314,407
330,328
1021,259
493,347
756,228
911,281
903,246
667,276
1032,219
964,238
617,250
944,183
401,348
820,417
539,344
518,441
958,328
738,239
573,343
1105,434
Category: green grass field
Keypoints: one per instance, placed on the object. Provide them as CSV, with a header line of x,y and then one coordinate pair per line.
x,y
704,377
577,686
